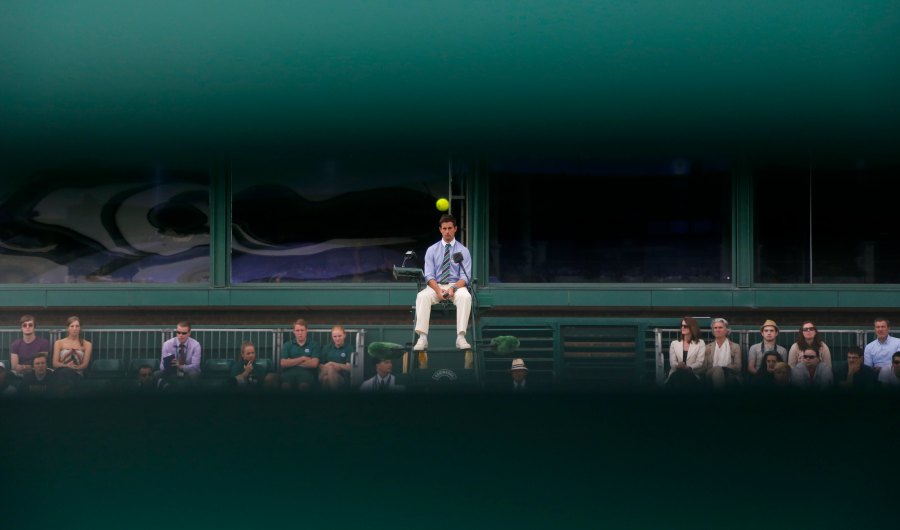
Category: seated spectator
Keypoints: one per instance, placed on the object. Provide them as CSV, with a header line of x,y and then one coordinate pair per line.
x,y
686,356
247,373
148,382
334,372
878,352
519,373
23,350
765,377
813,373
782,375
855,374
300,359
181,356
890,378
71,356
40,380
769,332
808,337
722,358
6,387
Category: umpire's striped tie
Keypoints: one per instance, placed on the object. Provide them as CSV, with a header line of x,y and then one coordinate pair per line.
x,y
445,266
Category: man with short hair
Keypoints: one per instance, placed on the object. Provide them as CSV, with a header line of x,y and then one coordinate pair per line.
x,y
22,351
890,377
878,352
811,372
445,280
39,381
147,382
181,354
383,380
855,374
300,360
769,331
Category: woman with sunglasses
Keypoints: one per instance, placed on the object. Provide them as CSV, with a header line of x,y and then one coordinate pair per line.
x,y
686,355
808,338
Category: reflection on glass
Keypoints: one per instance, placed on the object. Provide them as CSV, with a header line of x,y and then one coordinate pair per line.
x,y
102,225
608,222
333,221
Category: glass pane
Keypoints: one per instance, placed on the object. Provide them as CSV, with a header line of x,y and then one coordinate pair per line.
x,y
333,220
781,224
92,224
603,221
854,220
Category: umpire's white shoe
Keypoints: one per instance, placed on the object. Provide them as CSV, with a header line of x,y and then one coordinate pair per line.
x,y
422,343
461,343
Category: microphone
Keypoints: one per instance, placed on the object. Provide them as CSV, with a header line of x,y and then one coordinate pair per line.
x,y
457,257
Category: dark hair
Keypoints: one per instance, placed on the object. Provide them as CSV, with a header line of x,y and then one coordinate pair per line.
x,y
27,318
447,218
694,326
882,319
854,349
801,342
896,354
145,365
183,324
777,355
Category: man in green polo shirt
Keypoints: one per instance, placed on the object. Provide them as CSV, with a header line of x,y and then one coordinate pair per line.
x,y
300,360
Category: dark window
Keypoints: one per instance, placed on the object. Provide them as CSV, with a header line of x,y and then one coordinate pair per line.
x,y
337,220
851,215
96,224
577,221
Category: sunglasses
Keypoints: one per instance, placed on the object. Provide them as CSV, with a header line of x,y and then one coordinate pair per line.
x,y
809,356
28,325
683,326
809,329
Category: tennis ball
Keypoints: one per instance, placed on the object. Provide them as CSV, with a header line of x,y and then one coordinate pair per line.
x,y
443,204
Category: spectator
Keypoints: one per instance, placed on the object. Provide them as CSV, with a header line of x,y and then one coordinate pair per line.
x,y
854,374
891,377
148,382
769,332
686,356
40,380
765,376
808,337
519,373
6,387
334,373
782,375
300,360
247,373
812,373
722,358
23,350
878,352
181,355
71,356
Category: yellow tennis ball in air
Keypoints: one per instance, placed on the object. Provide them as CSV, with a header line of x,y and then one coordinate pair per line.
x,y
442,204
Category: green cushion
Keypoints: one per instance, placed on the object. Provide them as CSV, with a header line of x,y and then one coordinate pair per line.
x,y
505,344
386,350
